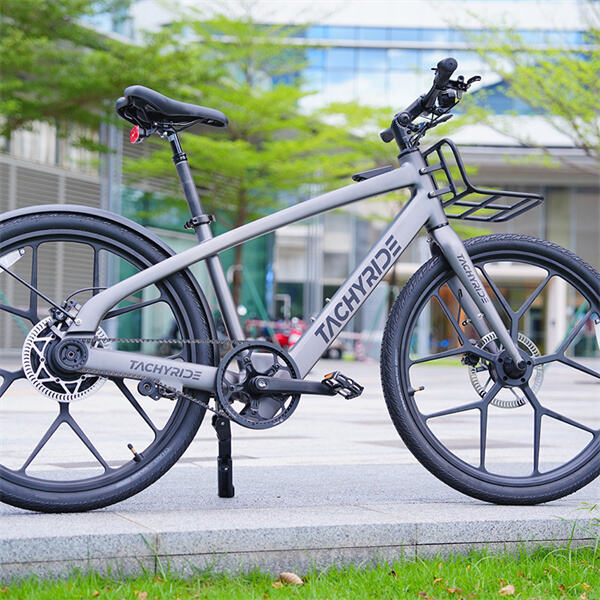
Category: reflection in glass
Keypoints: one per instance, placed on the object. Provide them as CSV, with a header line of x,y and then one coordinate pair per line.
x,y
315,57
341,33
372,59
430,58
405,35
340,58
436,35
402,88
404,60
373,33
316,31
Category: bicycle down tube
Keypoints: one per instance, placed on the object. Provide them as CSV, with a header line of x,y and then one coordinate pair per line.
x,y
420,210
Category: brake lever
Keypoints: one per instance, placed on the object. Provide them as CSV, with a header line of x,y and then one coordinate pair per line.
x,y
425,125
460,85
440,120
472,80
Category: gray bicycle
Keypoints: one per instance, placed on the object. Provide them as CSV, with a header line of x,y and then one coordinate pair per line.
x,y
522,363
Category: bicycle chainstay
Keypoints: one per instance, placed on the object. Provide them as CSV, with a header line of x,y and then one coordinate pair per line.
x,y
170,392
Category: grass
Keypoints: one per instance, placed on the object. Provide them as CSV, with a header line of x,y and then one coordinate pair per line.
x,y
542,574
444,362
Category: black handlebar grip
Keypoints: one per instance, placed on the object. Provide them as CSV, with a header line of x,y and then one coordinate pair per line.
x,y
445,68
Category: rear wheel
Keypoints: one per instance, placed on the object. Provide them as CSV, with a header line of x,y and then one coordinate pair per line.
x,y
493,437
65,442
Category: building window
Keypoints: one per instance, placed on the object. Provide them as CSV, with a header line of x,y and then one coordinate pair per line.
x,y
341,33
404,60
372,59
315,57
373,33
341,58
404,35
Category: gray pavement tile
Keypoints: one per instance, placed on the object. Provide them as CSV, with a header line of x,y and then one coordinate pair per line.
x,y
274,529
35,538
472,510
259,518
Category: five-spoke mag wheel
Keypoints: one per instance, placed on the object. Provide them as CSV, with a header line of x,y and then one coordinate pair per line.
x,y
479,425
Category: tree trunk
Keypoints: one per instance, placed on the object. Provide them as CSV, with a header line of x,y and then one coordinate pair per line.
x,y
240,219
393,282
237,275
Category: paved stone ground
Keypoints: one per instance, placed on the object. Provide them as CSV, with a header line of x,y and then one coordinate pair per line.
x,y
334,483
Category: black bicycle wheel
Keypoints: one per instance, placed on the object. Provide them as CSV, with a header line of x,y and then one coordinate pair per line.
x,y
506,441
65,443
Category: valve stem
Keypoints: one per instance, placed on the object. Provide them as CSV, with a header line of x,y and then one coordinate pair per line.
x,y
413,391
136,456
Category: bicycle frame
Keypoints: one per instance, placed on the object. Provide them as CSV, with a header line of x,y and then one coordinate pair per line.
x,y
421,210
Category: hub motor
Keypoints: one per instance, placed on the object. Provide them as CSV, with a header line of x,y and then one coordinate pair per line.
x,y
42,372
509,397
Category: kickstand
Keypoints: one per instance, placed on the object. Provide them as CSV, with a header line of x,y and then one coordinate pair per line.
x,y
224,462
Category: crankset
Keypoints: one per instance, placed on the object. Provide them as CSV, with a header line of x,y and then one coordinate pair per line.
x,y
241,375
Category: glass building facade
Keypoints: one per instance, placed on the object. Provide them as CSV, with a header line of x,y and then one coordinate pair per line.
x,y
389,66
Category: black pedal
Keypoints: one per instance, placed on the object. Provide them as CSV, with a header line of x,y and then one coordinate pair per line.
x,y
343,385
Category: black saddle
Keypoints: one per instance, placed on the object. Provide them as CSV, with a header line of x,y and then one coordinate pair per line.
x,y
145,107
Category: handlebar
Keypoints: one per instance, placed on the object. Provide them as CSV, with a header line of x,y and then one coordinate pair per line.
x,y
424,103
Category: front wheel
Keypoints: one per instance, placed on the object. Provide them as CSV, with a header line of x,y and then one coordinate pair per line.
x,y
510,441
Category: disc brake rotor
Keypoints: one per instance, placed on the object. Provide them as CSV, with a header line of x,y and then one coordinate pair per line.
x,y
46,380
481,379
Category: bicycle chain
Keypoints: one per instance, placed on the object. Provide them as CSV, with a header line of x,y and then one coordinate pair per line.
x,y
164,388
162,341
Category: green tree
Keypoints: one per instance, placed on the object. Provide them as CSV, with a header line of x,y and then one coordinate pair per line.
x,y
560,83
55,67
271,147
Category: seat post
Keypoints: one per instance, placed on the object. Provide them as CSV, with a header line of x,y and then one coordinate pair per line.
x,y
185,177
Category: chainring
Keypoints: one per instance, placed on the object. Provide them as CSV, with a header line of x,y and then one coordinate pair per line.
x,y
61,387
238,367
518,398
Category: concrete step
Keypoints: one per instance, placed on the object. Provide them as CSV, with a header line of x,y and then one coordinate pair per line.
x,y
359,520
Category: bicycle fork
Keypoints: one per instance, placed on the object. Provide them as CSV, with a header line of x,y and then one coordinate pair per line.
x,y
476,302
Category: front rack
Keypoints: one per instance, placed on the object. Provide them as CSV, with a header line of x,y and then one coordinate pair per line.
x,y
484,205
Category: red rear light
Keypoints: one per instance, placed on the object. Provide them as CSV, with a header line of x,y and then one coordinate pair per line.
x,y
134,134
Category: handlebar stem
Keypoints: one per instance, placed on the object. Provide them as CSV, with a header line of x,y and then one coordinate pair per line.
x,y
401,136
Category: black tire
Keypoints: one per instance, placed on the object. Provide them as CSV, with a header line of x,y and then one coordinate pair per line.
x,y
181,296
411,423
